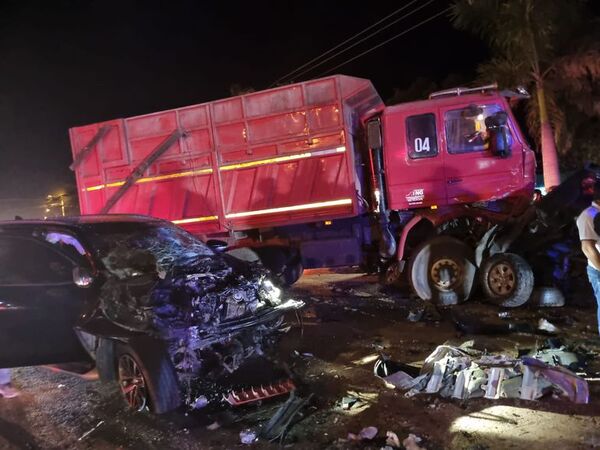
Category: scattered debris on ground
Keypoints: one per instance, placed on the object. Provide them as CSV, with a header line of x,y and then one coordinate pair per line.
x,y
366,434
464,373
412,443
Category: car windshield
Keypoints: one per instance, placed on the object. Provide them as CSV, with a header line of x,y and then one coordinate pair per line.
x,y
135,248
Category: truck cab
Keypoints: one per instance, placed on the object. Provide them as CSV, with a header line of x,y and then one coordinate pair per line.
x,y
454,149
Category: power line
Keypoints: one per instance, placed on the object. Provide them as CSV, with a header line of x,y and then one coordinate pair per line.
x,y
385,42
364,39
342,43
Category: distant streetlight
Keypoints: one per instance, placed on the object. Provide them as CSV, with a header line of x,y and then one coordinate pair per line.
x,y
55,201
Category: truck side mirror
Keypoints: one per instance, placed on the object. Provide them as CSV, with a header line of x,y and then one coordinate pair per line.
x,y
498,134
374,134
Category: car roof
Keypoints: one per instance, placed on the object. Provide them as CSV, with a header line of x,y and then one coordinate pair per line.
x,y
76,221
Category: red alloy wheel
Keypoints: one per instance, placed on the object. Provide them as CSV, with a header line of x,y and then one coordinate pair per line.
x,y
132,383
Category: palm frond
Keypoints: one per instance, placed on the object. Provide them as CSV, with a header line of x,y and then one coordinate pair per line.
x,y
505,71
577,77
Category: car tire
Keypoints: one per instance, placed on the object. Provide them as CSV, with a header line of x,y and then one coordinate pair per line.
x,y
442,270
147,377
507,280
106,360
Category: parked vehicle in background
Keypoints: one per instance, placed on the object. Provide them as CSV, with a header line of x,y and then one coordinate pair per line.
x,y
150,305
323,174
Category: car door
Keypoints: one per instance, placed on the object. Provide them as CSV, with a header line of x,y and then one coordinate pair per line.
x,y
473,173
414,166
39,304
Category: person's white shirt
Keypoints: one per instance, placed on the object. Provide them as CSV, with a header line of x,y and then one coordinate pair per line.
x,y
585,225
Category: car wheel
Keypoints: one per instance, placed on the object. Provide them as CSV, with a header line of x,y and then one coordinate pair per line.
x,y
443,270
146,377
507,279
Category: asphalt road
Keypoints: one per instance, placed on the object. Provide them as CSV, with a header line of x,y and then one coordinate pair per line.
x,y
346,323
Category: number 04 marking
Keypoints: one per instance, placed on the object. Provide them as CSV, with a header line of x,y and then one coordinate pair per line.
x,y
421,145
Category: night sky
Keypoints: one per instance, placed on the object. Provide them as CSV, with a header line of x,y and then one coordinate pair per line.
x,y
69,63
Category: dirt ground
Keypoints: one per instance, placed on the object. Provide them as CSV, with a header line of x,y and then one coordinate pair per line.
x,y
346,323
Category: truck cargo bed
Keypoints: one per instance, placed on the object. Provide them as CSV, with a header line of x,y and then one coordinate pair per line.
x,y
282,156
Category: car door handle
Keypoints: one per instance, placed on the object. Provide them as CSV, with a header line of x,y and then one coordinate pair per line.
x,y
454,180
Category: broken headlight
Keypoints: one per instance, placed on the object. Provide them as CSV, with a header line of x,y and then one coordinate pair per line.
x,y
270,293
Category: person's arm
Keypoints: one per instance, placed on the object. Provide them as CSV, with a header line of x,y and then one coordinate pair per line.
x,y
591,252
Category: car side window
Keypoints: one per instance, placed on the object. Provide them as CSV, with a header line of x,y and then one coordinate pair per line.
x,y
26,261
421,136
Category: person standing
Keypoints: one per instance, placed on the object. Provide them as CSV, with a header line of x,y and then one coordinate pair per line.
x,y
590,245
6,388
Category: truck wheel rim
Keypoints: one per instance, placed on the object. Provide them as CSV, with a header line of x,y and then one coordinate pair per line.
x,y
445,273
133,384
502,279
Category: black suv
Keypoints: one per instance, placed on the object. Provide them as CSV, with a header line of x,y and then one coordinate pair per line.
x,y
149,304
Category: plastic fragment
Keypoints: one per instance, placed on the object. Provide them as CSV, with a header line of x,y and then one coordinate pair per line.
x,y
544,325
248,436
392,439
412,443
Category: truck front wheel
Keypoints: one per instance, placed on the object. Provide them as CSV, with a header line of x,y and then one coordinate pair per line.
x,y
443,270
507,279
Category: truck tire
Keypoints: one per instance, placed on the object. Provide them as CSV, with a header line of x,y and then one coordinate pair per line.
x,y
507,279
147,377
292,273
442,270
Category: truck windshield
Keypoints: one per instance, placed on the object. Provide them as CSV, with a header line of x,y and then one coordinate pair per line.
x,y
465,128
135,248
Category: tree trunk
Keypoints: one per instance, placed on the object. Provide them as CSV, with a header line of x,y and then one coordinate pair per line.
x,y
549,156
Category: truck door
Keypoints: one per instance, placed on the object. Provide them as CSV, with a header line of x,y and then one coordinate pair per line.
x,y
473,172
39,304
414,167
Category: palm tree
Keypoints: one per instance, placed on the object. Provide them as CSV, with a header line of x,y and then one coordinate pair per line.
x,y
528,38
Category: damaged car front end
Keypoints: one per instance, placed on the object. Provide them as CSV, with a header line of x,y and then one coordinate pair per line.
x,y
164,315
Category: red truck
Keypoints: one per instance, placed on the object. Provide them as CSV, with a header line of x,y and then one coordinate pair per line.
x,y
323,174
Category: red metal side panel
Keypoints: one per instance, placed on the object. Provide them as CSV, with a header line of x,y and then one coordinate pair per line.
x,y
268,158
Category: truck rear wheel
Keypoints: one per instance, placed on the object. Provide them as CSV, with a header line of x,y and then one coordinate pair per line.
x,y
507,279
443,270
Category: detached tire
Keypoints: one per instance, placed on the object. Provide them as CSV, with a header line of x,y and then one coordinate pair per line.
x,y
507,280
442,270
147,377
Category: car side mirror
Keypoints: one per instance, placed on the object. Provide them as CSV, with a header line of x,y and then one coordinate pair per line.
x,y
82,277
216,245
